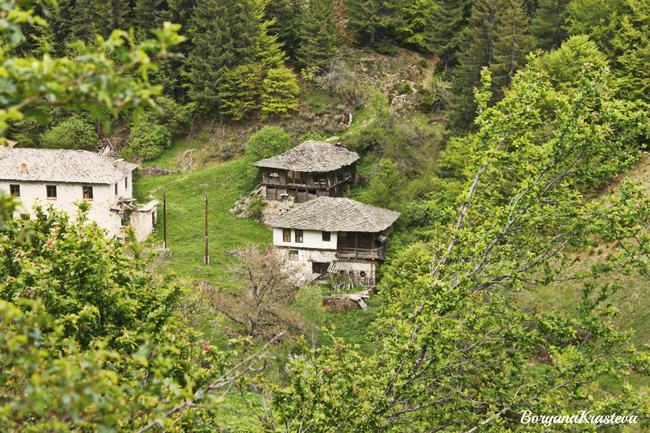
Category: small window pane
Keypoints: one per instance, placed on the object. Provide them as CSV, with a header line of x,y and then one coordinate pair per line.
x,y
14,190
88,192
24,216
51,191
299,236
126,183
326,236
293,255
286,235
115,189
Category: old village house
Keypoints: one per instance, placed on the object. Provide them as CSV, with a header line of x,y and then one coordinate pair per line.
x,y
312,169
61,177
334,235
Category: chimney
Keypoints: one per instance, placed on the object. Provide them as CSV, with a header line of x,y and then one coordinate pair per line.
x,y
23,166
119,164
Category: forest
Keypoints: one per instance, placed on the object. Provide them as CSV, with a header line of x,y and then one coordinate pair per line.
x,y
511,135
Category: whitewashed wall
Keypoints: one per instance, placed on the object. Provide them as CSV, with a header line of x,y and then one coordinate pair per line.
x,y
311,239
104,198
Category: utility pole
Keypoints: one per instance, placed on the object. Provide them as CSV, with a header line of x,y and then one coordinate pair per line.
x,y
164,219
207,257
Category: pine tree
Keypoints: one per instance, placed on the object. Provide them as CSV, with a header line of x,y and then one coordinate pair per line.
x,y
147,15
85,19
416,23
513,44
112,15
283,17
478,41
370,17
222,33
546,26
451,19
318,35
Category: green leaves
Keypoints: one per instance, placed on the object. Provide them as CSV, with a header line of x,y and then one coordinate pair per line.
x,y
112,74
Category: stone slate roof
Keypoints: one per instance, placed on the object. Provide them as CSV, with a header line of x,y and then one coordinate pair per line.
x,y
311,157
60,165
331,214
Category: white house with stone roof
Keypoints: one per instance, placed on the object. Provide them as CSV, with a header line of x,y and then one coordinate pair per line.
x,y
334,235
62,177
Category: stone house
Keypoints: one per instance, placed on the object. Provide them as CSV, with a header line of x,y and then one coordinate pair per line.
x,y
312,169
62,177
334,235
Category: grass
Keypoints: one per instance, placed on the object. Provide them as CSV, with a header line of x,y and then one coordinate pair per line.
x,y
223,184
169,157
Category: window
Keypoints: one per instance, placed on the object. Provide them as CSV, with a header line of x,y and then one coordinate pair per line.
x,y
116,189
293,255
327,236
51,191
88,192
14,190
299,236
286,235
126,183
24,216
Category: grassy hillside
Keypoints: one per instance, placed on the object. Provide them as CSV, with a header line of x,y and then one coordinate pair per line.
x,y
186,192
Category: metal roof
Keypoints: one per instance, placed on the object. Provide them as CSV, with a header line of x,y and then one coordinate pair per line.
x,y
311,157
332,214
61,165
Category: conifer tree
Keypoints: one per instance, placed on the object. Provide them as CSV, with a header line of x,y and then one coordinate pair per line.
x,y
415,23
546,26
222,33
370,17
318,35
513,44
85,20
478,42
147,14
282,15
112,15
450,19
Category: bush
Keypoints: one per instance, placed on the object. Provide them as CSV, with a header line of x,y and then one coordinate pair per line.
x,y
148,140
72,133
386,50
268,142
405,89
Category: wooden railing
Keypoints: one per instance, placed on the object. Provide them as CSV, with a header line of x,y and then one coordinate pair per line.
x,y
362,253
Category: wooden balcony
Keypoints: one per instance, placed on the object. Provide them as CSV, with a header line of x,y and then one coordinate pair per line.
x,y
362,253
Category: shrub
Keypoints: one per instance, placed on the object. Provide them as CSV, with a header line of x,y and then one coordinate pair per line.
x,y
268,142
386,50
148,140
72,133
405,89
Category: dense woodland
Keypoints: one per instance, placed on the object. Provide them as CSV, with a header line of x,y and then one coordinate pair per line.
x,y
499,128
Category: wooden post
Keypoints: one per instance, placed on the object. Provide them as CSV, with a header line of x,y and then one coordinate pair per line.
x,y
164,219
207,257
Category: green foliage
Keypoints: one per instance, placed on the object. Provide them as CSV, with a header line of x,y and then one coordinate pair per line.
x,y
378,109
416,23
148,141
176,118
451,18
255,208
309,302
386,186
451,333
279,93
317,34
564,64
546,26
90,77
267,142
371,17
513,44
620,29
405,88
72,133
